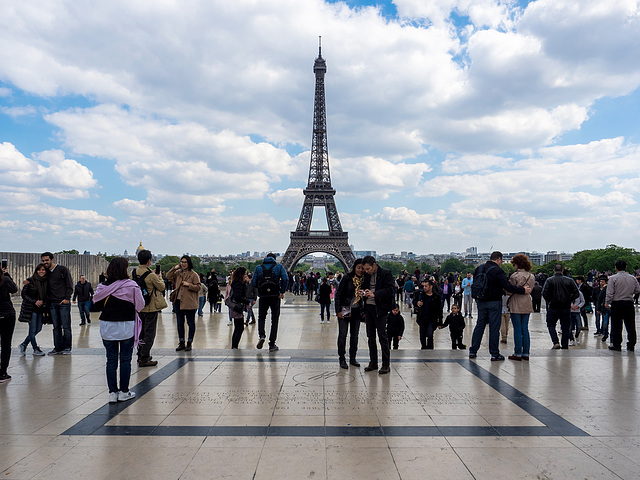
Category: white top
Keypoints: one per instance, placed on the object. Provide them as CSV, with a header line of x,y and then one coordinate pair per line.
x,y
117,330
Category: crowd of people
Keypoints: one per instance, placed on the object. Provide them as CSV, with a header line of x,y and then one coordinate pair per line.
x,y
129,304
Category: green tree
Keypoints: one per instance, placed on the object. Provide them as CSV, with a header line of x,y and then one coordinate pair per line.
x,y
410,266
452,265
168,262
395,267
68,252
508,268
604,259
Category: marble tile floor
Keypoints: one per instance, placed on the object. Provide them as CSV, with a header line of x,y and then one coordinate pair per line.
x,y
250,414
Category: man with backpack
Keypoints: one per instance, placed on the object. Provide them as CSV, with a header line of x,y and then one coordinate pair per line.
x,y
152,287
271,280
489,283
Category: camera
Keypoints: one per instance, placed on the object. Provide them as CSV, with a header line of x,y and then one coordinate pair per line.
x,y
4,263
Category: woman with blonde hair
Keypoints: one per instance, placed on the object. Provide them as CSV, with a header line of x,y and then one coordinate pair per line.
x,y
521,306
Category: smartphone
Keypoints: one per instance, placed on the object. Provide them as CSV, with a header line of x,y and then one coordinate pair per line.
x,y
158,269
4,263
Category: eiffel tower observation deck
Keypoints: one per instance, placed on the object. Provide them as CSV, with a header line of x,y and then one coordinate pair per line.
x,y
319,193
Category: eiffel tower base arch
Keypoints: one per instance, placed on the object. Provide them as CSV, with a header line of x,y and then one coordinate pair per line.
x,y
301,246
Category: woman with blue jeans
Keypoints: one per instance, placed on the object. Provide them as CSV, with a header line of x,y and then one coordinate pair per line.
x,y
121,300
521,307
35,302
600,308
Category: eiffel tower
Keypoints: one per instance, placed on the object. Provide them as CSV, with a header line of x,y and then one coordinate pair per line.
x,y
319,193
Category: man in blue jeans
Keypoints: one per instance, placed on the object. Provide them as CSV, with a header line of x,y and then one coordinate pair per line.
x,y
82,293
60,291
490,305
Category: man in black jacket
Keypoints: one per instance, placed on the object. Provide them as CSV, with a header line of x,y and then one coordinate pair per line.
x,y
378,292
60,291
559,291
83,292
490,306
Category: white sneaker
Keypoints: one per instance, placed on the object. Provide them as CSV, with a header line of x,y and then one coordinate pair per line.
x,y
124,396
113,397
571,343
229,322
577,341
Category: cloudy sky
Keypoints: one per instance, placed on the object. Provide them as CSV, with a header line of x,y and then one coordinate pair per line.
x,y
187,125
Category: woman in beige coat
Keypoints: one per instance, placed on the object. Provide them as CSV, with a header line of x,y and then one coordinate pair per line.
x,y
187,287
520,307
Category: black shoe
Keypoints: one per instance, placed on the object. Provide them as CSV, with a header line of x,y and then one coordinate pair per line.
x,y
5,377
384,370
371,367
630,348
273,348
88,320
604,338
354,362
180,347
188,347
472,355
462,347
454,347
614,348
81,324
260,344
343,364
497,358
148,363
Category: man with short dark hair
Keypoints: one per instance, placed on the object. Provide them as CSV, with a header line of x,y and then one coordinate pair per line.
x,y
271,280
490,305
60,291
378,292
620,291
149,314
83,292
559,291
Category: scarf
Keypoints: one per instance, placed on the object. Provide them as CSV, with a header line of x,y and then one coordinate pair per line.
x,y
41,284
357,282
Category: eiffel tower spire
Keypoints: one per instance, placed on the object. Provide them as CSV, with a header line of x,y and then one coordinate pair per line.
x,y
319,192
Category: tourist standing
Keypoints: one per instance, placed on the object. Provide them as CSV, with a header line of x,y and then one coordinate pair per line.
x,y
324,298
619,297
35,303
187,286
466,295
521,307
429,312
559,292
83,292
271,280
349,310
378,293
238,303
149,314
117,325
7,321
60,291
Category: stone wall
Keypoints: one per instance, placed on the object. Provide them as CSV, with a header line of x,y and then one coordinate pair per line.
x,y
22,265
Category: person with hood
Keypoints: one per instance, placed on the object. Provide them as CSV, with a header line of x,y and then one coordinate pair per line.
x,y
35,302
120,299
7,321
271,280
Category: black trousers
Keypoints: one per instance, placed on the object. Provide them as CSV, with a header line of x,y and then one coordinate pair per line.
x,y
426,335
147,335
264,305
377,324
393,337
238,328
553,315
623,311
7,325
456,338
352,322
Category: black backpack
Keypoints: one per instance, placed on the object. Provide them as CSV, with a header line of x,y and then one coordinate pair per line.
x,y
480,284
268,282
140,280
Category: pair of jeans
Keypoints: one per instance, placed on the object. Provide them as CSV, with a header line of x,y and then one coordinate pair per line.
x,y
124,350
377,324
7,325
426,335
468,304
190,315
201,302
597,321
606,314
327,307
35,327
623,311
85,310
521,339
352,322
575,324
489,313
250,315
61,318
553,315
264,305
147,335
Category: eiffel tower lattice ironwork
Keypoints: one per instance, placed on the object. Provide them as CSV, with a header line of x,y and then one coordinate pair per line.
x,y
319,193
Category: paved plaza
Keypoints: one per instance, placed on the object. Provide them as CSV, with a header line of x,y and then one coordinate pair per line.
x,y
294,414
